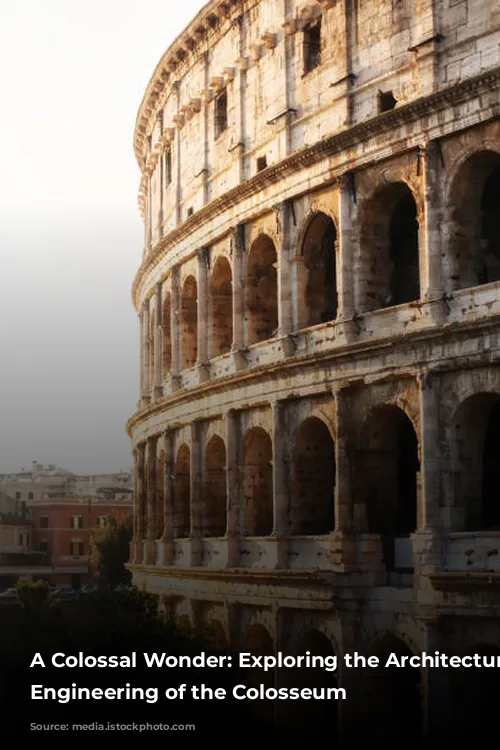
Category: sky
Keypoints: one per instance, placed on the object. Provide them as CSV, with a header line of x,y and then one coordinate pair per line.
x,y
72,77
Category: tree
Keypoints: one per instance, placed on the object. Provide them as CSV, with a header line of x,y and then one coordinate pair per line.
x,y
111,550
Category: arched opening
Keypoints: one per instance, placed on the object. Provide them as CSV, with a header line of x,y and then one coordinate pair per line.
x,y
182,493
319,255
474,443
160,495
184,625
189,323
389,249
216,636
221,307
260,643
257,514
474,222
313,508
388,480
392,697
215,488
323,715
262,291
167,335
476,696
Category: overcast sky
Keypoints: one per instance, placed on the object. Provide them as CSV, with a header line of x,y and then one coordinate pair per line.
x,y
73,73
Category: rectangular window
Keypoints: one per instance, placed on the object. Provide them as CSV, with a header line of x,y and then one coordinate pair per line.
x,y
44,545
30,496
44,522
101,522
220,114
312,47
168,167
76,522
76,548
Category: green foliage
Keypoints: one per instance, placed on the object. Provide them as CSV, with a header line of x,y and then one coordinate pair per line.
x,y
33,594
111,550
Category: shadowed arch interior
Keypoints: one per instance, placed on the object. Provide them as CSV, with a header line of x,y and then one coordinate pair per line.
x,y
182,493
313,506
262,291
389,269
392,696
257,511
319,291
474,222
387,470
221,307
215,488
474,444
189,323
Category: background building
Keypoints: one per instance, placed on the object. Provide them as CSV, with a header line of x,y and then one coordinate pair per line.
x,y
49,515
317,435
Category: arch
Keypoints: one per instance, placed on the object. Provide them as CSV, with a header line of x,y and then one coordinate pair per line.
x,y
392,695
189,323
221,307
166,323
323,715
257,512
475,696
313,495
216,636
262,291
182,493
259,641
184,625
473,225
215,488
474,439
389,268
387,477
318,290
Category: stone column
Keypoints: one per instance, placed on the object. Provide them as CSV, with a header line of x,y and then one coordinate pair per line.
x,y
202,308
345,258
238,245
146,351
196,469
149,239
177,187
141,352
175,327
430,219
233,443
344,538
158,334
428,543
151,527
280,485
284,276
299,279
168,498
135,535
239,89
140,503
161,180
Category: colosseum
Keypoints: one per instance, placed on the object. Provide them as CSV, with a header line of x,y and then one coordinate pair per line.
x,y
317,436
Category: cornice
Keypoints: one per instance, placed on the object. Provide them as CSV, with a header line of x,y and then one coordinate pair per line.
x,y
310,155
367,348
181,50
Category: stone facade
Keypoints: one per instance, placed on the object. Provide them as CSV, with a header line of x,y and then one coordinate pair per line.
x,y
316,441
